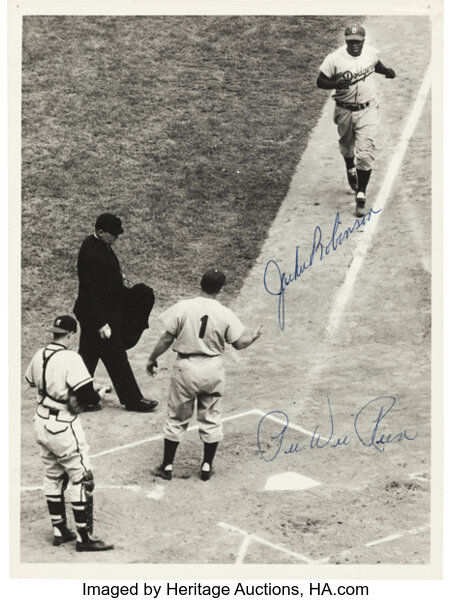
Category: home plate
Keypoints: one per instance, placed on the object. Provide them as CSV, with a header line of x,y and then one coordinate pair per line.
x,y
290,481
156,493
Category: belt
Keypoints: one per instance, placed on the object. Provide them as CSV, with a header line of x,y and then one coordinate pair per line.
x,y
352,106
61,415
52,411
182,355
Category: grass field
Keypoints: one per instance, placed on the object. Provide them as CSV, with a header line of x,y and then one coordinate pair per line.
x,y
188,128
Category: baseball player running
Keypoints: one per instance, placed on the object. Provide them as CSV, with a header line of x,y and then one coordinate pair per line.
x,y
200,328
64,387
349,72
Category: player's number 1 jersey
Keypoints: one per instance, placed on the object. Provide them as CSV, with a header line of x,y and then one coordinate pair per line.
x,y
201,326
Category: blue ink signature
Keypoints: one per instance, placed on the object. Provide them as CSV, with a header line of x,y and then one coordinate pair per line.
x,y
319,249
368,425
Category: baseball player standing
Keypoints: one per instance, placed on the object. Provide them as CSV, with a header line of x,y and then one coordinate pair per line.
x,y
64,387
200,327
349,72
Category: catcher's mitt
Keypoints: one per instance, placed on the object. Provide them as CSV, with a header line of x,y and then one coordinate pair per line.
x,y
73,405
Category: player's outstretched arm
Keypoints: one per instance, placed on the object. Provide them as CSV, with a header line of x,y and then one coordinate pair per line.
x,y
332,83
386,71
247,338
161,346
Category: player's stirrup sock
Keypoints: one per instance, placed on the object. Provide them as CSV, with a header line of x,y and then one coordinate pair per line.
x,y
350,162
363,179
209,453
169,451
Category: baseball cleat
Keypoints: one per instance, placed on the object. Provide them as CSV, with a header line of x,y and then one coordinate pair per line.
x,y
143,405
165,473
352,177
360,204
206,472
66,536
93,546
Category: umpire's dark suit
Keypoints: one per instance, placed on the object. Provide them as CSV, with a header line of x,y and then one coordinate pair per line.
x,y
100,301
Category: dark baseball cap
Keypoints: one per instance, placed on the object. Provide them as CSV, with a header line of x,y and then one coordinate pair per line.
x,y
109,223
64,324
212,281
355,32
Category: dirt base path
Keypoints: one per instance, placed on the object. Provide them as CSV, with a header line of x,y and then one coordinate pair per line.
x,y
367,506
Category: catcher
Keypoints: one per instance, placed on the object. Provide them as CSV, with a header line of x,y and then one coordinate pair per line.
x,y
64,388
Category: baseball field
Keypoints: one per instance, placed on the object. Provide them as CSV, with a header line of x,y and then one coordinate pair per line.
x,y
209,138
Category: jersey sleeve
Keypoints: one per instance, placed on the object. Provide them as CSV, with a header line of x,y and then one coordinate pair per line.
x,y
234,329
170,319
77,373
328,67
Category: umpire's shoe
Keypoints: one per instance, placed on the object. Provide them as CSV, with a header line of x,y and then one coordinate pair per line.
x,y
360,204
93,407
143,405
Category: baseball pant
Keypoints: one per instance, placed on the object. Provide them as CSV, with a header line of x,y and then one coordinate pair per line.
x,y
357,134
63,449
196,379
114,356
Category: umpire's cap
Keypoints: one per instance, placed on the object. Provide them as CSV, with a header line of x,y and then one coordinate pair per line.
x,y
109,223
212,281
64,324
355,32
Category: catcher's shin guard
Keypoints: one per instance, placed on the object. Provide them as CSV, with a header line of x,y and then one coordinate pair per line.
x,y
57,510
84,517
89,513
84,508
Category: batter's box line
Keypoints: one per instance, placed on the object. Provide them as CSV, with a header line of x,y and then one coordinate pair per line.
x,y
251,537
419,476
397,536
155,493
160,436
253,411
100,486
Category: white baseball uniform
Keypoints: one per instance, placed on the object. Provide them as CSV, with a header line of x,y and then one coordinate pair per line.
x,y
55,371
357,128
202,326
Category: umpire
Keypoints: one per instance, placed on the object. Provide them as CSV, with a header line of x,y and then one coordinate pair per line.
x,y
99,309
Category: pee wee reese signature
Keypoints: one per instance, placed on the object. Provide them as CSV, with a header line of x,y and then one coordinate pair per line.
x,y
371,425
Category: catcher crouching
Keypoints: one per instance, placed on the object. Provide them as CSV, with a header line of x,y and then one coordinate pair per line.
x,y
64,388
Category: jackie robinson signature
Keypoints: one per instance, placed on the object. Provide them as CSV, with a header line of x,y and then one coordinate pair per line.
x,y
319,249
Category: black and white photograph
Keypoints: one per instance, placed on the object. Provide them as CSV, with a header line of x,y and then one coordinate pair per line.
x,y
228,317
